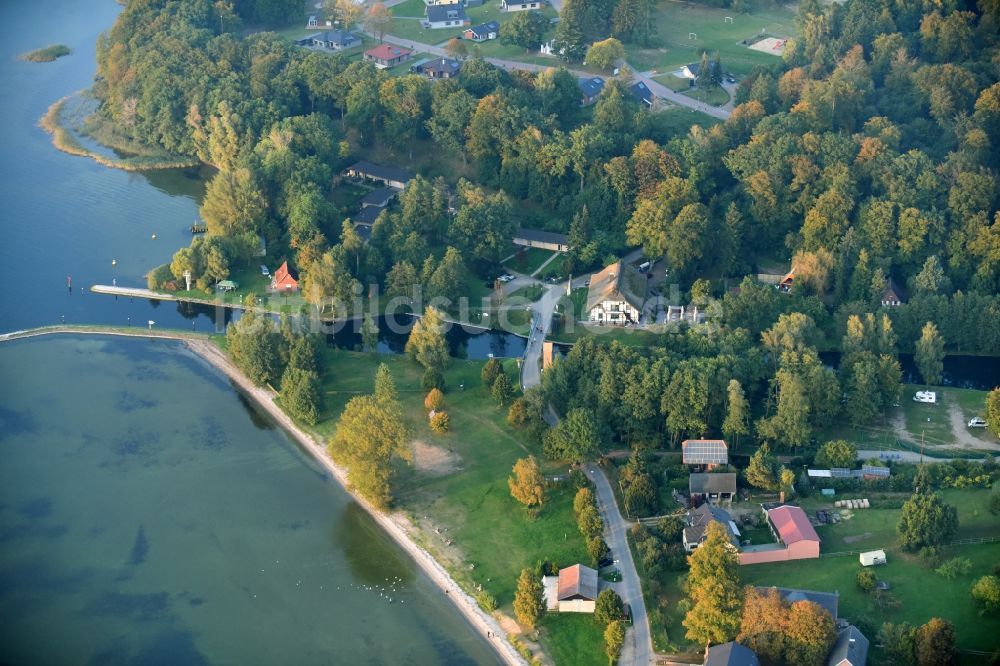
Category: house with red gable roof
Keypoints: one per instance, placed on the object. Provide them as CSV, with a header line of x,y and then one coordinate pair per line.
x,y
795,538
387,55
285,279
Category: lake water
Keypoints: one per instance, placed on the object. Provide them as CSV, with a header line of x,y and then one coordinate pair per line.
x,y
148,514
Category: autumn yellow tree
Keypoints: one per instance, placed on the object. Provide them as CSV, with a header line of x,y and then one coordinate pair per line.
x,y
527,485
715,592
529,602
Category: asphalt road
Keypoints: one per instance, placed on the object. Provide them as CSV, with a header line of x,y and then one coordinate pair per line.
x,y
638,648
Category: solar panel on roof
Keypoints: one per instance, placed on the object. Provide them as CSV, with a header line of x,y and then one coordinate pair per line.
x,y
840,473
702,452
871,470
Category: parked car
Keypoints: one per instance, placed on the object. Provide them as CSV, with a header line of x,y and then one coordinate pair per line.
x,y
925,396
264,271
505,278
977,422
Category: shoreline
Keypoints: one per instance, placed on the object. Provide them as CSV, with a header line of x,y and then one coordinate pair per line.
x,y
64,139
397,525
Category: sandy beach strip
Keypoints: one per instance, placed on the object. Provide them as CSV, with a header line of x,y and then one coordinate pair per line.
x,y
397,525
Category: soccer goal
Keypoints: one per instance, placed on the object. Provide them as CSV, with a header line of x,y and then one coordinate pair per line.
x,y
692,35
729,19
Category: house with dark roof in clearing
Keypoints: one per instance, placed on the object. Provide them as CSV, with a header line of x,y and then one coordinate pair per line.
x,y
641,92
545,240
574,590
730,654
387,55
437,68
893,295
285,279
616,295
590,90
388,176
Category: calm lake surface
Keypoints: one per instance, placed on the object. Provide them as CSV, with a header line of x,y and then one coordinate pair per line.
x,y
148,514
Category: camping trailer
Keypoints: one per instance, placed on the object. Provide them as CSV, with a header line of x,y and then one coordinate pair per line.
x,y
872,558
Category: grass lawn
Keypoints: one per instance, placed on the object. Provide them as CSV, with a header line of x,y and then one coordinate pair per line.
x,y
922,593
494,49
409,8
250,281
716,96
573,638
494,537
531,292
528,260
673,47
674,83
428,158
630,337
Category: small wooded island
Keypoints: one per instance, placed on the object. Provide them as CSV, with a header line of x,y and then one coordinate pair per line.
x,y
47,54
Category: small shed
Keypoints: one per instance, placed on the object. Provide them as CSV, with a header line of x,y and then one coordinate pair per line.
x,y
872,558
227,285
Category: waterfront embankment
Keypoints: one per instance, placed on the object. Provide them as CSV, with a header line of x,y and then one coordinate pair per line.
x,y
397,525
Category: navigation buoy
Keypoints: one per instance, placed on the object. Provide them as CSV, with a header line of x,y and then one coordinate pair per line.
x,y
154,236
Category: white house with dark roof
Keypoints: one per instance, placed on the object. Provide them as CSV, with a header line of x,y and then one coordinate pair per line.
x,y
445,16
336,40
616,295
520,5
482,32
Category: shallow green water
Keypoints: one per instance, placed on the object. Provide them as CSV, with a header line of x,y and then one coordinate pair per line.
x,y
148,514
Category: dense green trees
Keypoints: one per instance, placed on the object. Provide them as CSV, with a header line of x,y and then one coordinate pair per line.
x,y
992,411
929,355
524,29
370,433
926,520
575,439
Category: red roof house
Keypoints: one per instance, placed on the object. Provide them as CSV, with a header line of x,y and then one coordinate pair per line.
x,y
387,55
285,279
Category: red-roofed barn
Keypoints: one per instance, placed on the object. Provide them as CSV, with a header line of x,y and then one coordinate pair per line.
x,y
791,527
